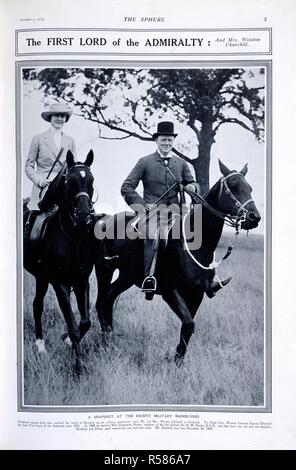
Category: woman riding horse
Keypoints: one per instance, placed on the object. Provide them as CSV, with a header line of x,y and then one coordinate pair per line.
x,y
47,153
68,251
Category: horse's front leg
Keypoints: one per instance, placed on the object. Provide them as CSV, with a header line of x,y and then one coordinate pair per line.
x,y
63,296
193,299
179,306
82,296
41,289
107,293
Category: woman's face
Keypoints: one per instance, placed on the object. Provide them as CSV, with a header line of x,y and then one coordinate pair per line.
x,y
58,120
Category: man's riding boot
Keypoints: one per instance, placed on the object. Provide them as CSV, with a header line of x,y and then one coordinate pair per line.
x,y
216,286
150,256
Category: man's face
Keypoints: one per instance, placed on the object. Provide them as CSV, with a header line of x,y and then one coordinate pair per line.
x,y
58,120
165,143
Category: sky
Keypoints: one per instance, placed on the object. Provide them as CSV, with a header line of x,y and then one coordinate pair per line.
x,y
113,160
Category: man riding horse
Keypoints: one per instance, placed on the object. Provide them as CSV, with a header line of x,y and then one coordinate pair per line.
x,y
162,174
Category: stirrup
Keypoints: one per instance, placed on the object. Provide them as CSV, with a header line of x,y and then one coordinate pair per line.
x,y
149,284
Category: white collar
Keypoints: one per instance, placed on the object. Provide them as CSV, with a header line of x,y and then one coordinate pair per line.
x,y
53,130
165,157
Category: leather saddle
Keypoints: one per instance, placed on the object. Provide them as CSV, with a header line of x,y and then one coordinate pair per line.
x,y
36,228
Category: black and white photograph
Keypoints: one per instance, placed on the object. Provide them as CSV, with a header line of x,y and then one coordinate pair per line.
x,y
144,242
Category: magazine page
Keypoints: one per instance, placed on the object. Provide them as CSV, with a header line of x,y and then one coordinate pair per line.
x,y
147,225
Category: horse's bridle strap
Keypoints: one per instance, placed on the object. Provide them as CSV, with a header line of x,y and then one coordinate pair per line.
x,y
82,193
202,201
69,203
216,212
223,184
242,207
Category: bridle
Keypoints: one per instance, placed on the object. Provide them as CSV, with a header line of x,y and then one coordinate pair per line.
x,y
241,207
71,208
231,220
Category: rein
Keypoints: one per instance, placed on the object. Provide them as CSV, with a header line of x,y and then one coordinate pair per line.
x,y
165,193
214,264
228,219
232,221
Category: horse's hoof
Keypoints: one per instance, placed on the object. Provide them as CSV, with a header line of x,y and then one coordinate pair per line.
x,y
107,338
168,356
106,343
65,337
78,370
84,327
40,346
178,359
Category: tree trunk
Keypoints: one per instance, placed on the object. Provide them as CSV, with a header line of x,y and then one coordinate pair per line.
x,y
202,163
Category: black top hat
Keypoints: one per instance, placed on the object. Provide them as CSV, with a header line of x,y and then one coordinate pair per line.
x,y
164,128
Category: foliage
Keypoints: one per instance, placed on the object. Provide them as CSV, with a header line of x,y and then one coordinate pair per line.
x,y
129,102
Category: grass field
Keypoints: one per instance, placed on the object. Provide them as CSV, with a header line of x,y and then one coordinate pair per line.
x,y
224,364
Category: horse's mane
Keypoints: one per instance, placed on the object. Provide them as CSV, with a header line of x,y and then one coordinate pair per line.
x,y
212,190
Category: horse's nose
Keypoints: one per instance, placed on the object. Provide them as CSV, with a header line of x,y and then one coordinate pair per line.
x,y
253,216
83,217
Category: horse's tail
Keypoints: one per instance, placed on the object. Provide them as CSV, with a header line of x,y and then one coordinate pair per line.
x,y
26,210
25,202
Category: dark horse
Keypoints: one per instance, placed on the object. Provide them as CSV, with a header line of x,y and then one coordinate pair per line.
x,y
182,274
65,257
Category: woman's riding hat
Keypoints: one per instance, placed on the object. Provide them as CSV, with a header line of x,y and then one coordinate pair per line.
x,y
164,128
56,108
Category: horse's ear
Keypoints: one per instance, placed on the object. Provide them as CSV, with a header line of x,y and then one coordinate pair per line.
x,y
89,158
70,159
244,170
223,168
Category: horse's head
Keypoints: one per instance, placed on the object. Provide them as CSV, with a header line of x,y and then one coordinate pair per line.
x,y
79,189
235,197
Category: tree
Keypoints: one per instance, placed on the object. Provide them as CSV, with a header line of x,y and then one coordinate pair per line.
x,y
126,102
